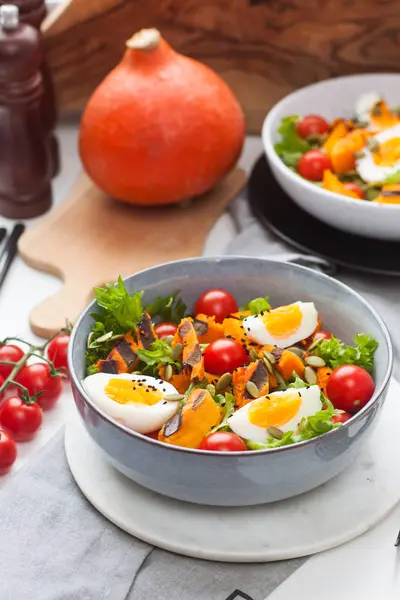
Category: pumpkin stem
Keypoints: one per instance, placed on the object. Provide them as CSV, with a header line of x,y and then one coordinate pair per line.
x,y
145,39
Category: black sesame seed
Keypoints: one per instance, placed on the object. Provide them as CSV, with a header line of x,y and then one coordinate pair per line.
x,y
165,402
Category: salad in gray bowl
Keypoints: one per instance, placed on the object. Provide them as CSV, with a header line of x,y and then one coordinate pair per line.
x,y
229,381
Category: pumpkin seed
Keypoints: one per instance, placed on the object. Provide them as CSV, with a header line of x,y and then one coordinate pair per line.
x,y
176,351
104,338
168,372
174,397
268,365
310,375
252,389
90,338
269,356
223,382
315,344
359,155
373,145
275,432
282,383
315,361
297,351
169,339
253,354
136,373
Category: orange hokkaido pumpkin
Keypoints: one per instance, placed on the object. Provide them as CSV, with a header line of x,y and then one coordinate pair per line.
x,y
161,127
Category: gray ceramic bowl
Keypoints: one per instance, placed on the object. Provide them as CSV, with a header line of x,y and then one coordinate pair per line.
x,y
243,478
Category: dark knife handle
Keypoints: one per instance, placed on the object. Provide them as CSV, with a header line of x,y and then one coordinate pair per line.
x,y
10,250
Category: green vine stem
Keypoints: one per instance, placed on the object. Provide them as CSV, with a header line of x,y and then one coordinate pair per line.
x,y
36,351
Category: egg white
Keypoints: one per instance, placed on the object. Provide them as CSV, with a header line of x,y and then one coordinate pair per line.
x,y
310,404
137,416
366,167
256,331
365,104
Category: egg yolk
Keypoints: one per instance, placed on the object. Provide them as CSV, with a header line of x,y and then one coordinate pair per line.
x,y
274,412
388,153
283,321
126,391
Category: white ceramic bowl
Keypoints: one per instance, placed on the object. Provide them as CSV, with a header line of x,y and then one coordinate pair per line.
x,y
334,98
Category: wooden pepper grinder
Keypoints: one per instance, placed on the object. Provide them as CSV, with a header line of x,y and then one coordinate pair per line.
x,y
33,12
25,149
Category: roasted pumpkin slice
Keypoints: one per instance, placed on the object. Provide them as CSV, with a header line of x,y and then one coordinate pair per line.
x,y
188,427
207,329
122,358
192,356
145,332
257,373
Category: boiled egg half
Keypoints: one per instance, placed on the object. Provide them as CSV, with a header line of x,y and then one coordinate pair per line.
x,y
283,326
136,401
283,410
385,161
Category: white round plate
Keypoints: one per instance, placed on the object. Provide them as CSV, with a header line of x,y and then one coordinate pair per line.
x,y
330,515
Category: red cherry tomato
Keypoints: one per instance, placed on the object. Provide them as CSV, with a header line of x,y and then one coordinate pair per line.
x,y
8,452
353,187
322,335
165,329
349,388
217,303
313,164
341,418
224,356
223,441
312,125
37,378
153,435
11,353
20,419
57,351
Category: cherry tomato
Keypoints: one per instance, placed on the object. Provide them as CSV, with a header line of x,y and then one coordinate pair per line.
x,y
353,187
349,388
217,303
322,335
10,353
57,351
341,418
20,419
313,164
37,378
224,356
153,435
165,329
223,441
312,125
8,452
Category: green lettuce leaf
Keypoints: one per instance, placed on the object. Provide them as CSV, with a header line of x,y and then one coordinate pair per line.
x,y
286,440
167,308
257,305
291,146
159,353
298,383
227,402
121,311
336,353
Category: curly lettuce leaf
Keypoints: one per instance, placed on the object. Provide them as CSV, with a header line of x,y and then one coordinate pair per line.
x,y
286,440
227,403
121,311
159,353
336,353
291,147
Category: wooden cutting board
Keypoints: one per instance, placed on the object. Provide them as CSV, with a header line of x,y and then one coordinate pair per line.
x,y
90,239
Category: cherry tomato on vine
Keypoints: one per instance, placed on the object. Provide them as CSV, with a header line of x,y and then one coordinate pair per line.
x,y
353,187
341,418
162,330
11,353
57,351
322,335
349,388
8,452
224,356
217,303
37,378
20,418
312,125
313,164
223,441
